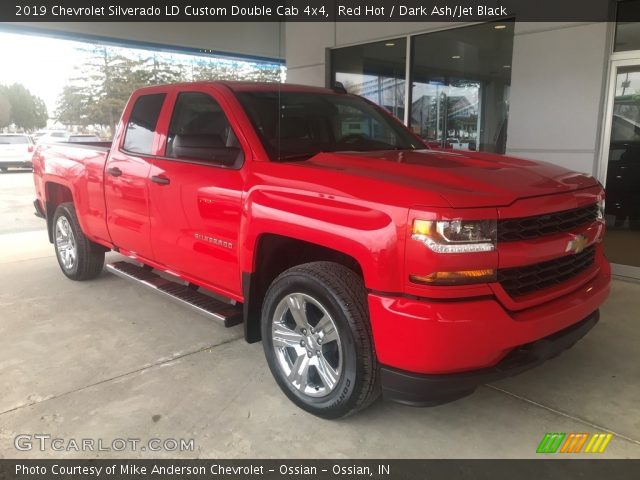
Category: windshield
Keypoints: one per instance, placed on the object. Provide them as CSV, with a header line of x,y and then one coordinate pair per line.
x,y
13,139
294,125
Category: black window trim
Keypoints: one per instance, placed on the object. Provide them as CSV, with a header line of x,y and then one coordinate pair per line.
x,y
121,147
204,163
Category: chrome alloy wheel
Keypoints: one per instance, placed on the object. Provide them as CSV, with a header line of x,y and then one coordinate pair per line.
x,y
66,243
307,345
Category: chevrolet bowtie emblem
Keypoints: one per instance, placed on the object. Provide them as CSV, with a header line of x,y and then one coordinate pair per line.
x,y
577,244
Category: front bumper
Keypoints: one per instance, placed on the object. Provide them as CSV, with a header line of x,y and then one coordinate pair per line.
x,y
16,164
417,338
426,390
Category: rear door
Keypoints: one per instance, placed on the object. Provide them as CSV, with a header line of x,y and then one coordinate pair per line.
x,y
196,189
127,170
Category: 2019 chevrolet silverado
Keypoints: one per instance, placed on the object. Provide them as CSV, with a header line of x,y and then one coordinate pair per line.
x,y
364,261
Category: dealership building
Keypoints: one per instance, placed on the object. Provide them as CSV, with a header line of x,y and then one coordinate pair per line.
x,y
565,93
166,360
562,92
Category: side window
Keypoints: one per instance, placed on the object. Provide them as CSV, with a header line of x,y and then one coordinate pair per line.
x,y
141,128
199,130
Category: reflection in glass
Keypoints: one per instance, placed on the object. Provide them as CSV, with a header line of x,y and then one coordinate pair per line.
x,y
460,86
375,71
446,115
627,26
623,172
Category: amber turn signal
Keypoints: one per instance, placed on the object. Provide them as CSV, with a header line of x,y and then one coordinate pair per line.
x,y
456,278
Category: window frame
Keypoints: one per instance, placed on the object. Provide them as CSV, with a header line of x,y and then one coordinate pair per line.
x,y
167,115
127,116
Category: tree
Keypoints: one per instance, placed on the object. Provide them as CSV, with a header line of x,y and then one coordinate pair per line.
x,y
224,69
41,113
73,106
5,108
107,77
98,94
157,71
112,80
21,108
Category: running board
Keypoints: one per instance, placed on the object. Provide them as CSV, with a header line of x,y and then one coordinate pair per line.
x,y
224,313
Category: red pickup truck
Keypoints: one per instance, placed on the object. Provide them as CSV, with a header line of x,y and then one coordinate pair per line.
x,y
364,261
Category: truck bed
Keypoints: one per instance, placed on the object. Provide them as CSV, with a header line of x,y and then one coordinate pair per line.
x,y
77,171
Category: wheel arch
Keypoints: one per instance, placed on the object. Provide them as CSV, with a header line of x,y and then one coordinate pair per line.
x,y
275,253
55,194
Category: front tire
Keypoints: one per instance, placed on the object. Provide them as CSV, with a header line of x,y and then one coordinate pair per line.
x,y
317,339
78,257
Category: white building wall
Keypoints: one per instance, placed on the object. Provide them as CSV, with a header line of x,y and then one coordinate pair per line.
x,y
557,88
557,80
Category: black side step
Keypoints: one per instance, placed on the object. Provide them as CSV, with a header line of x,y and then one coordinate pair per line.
x,y
224,313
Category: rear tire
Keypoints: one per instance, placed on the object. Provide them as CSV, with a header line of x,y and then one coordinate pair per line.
x,y
78,257
317,339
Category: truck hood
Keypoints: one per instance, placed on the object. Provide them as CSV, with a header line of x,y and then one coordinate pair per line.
x,y
462,179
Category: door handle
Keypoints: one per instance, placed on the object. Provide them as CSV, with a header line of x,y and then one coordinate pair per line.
x,y
160,180
114,171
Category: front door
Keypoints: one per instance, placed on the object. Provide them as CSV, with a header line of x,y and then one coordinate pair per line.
x,y
196,195
621,168
126,177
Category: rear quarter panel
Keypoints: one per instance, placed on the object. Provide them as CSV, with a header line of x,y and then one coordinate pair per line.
x,y
81,170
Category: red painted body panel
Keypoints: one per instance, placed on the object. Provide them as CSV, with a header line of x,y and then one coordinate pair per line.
x,y
206,224
127,200
203,203
82,172
445,337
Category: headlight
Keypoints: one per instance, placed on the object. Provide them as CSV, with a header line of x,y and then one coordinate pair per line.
x,y
600,210
456,236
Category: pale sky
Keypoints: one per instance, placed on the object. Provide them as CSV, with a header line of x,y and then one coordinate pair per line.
x,y
44,65
41,64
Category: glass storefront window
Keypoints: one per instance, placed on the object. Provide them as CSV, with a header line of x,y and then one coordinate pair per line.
x,y
375,71
627,28
623,172
460,80
460,86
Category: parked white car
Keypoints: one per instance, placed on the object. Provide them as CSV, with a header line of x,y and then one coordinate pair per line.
x,y
83,138
16,150
54,136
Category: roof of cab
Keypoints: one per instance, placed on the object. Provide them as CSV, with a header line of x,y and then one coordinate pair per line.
x,y
240,86
274,87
